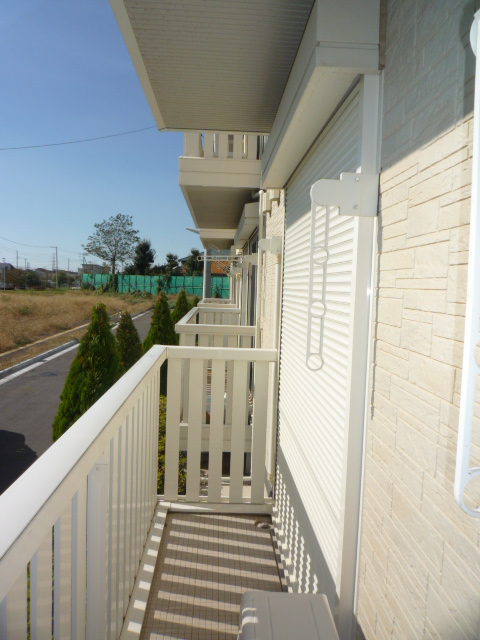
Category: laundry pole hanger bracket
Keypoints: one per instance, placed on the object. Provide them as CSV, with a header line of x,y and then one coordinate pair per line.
x,y
355,194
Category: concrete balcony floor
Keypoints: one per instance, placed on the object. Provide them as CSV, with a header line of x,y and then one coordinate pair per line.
x,y
204,565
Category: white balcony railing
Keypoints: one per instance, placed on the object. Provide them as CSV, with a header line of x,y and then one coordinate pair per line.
x,y
207,303
209,326
223,146
74,525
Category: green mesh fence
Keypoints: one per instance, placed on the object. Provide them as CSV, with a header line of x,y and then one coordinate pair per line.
x,y
193,285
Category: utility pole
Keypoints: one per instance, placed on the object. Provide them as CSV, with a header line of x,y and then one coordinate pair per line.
x,y
4,267
25,274
56,266
17,258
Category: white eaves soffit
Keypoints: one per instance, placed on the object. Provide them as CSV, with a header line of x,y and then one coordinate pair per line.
x,y
341,41
218,65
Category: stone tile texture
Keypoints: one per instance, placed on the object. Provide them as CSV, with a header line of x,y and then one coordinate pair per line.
x,y
419,567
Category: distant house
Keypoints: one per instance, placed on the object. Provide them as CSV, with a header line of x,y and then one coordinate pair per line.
x,y
92,268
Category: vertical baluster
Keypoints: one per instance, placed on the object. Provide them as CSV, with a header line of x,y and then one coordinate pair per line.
x,y
189,341
217,340
240,374
223,146
133,488
41,591
79,561
128,509
143,448
13,610
121,516
251,147
136,494
204,341
62,574
196,419
153,450
208,145
231,343
259,433
112,577
172,438
97,529
237,146
148,458
216,431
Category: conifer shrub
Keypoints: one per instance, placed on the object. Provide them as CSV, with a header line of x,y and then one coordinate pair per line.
x,y
93,371
196,300
129,347
182,460
181,307
161,332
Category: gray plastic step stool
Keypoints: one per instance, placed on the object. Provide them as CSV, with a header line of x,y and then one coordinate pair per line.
x,y
285,616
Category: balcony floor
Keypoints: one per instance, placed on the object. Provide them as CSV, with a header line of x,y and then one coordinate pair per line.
x,y
204,565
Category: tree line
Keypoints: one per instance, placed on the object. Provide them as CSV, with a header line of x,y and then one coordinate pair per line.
x,y
116,241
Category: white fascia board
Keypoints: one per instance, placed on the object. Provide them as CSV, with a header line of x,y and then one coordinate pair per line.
x,y
213,172
189,204
123,21
219,234
340,42
247,225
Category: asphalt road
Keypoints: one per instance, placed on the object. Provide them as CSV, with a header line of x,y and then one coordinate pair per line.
x,y
28,405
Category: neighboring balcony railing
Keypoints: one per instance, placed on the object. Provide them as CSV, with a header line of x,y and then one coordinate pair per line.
x,y
217,302
75,524
223,146
214,327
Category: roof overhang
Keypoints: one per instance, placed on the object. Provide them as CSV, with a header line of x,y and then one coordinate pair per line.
x,y
218,65
217,238
341,42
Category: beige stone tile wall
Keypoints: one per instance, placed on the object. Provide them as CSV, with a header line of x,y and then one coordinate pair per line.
x,y
274,226
419,568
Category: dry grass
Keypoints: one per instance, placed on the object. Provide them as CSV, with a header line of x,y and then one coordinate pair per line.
x,y
29,316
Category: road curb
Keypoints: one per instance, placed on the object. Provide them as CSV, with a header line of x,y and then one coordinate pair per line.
x,y
46,354
26,363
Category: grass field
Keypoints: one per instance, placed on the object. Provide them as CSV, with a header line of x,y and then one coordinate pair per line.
x,y
30,316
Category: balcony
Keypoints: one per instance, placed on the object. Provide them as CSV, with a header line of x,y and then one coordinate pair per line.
x,y
214,326
82,527
217,174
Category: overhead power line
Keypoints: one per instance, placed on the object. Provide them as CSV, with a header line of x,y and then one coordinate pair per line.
x,y
35,246
38,246
59,144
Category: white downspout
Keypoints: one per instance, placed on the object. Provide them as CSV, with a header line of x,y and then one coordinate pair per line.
x,y
272,450
470,370
259,277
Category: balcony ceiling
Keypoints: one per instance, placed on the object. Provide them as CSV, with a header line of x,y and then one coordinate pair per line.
x,y
213,64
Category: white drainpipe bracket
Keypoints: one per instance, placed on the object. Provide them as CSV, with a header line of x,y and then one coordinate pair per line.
x,y
250,259
274,245
355,194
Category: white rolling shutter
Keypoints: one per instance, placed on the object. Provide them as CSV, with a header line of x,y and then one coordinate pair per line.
x,y
312,403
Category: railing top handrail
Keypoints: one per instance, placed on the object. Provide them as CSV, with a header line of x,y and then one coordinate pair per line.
x,y
225,308
212,302
23,500
187,317
216,329
221,353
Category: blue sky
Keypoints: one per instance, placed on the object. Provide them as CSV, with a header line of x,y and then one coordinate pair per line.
x,y
66,75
